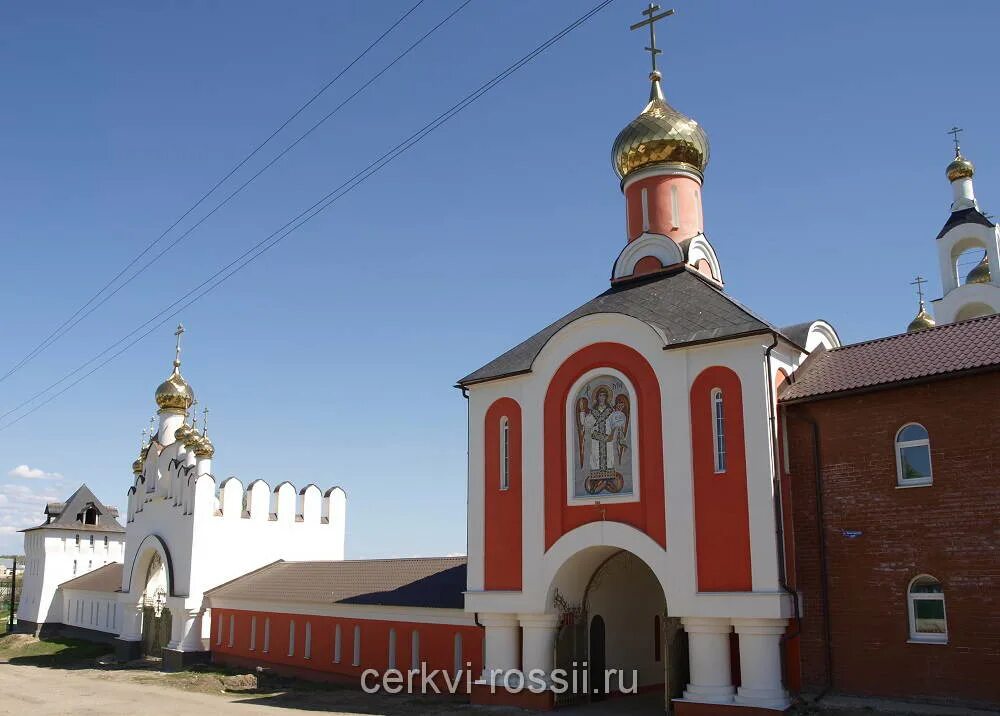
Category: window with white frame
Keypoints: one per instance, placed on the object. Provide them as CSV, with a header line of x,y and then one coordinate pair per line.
x,y
458,654
253,633
232,631
925,598
267,634
336,644
504,454
307,644
913,456
718,431
291,638
357,645
392,648
415,651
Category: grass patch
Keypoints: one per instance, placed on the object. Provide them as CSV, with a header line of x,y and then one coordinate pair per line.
x,y
26,649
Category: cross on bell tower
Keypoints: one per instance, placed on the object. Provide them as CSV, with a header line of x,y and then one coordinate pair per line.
x,y
650,21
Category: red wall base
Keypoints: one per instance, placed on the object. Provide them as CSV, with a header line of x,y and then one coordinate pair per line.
x,y
484,695
691,708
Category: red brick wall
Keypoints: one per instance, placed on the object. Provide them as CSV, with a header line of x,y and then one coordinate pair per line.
x,y
950,530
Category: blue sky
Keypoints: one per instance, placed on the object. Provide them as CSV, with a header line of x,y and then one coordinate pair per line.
x,y
332,359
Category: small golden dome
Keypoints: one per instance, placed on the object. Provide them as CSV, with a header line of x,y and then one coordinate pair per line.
x,y
960,168
979,274
922,320
174,393
137,466
204,447
660,135
191,439
181,433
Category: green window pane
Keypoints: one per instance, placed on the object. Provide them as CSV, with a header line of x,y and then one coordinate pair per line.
x,y
916,462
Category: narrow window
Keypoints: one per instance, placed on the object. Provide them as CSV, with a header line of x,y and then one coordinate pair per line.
x,y
267,634
218,630
458,654
357,645
90,563
336,644
93,618
74,566
415,651
392,648
645,209
232,630
698,212
291,638
78,540
253,633
105,543
91,542
657,639
718,431
307,646
504,454
913,456
675,209
926,607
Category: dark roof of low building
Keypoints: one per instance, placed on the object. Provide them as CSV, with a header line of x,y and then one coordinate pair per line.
x,y
106,578
68,515
885,362
685,307
437,582
964,216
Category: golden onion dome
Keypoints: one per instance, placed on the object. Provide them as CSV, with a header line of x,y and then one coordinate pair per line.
x,y
191,439
137,466
979,274
181,433
174,393
921,321
660,135
204,447
960,168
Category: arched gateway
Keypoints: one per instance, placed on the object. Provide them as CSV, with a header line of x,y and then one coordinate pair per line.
x,y
156,621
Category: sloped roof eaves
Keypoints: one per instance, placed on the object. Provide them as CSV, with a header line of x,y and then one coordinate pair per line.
x,y
682,305
964,216
902,359
107,578
66,519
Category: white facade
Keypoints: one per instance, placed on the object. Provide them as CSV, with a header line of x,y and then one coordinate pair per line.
x,y
56,555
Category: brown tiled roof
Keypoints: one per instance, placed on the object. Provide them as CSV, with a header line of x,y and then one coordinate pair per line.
x,y
103,579
414,582
951,348
68,515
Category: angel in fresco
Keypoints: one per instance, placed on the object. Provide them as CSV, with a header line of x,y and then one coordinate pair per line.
x,y
582,411
604,423
622,407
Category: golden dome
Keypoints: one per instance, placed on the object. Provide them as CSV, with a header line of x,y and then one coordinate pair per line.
x,y
979,274
660,135
922,320
203,447
191,439
137,466
960,168
174,393
181,433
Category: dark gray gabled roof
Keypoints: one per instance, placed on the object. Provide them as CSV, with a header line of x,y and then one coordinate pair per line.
x,y
67,515
685,307
964,216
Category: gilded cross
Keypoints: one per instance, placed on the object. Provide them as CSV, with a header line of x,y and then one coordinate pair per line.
x,y
919,282
651,18
204,421
954,132
177,354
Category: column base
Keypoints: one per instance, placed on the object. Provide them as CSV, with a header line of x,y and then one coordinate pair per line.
x,y
683,707
177,660
710,694
764,698
127,650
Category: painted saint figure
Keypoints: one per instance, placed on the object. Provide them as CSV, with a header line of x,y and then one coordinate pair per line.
x,y
604,424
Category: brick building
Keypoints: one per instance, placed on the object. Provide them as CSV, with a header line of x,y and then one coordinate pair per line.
x,y
897,557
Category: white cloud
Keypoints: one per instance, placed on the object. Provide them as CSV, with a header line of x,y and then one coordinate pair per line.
x,y
33,473
21,506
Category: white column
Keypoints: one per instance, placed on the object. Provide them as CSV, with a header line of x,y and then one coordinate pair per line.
x,y
963,194
708,652
499,644
760,663
176,627
538,642
191,629
131,620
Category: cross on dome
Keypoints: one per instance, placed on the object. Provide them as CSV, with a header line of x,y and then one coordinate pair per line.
x,y
650,21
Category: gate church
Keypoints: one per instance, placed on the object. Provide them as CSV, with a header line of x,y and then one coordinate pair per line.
x,y
627,492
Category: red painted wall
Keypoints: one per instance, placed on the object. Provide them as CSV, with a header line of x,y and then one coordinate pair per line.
x,y
661,219
647,514
503,507
947,530
721,511
436,642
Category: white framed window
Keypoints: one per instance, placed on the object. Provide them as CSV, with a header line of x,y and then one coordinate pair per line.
x,y
218,631
415,651
336,644
458,654
504,453
718,431
357,645
675,209
267,634
74,566
392,648
913,456
307,644
232,630
925,600
253,633
291,638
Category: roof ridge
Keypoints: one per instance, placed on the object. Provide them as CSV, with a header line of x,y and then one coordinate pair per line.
x,y
895,336
372,559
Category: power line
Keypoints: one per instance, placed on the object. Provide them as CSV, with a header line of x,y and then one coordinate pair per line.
x,y
272,240
69,323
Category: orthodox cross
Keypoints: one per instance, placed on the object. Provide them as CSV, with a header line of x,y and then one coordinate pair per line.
x,y
651,18
919,282
204,421
177,354
954,132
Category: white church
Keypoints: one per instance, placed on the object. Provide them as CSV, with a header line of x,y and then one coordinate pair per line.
x,y
624,494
